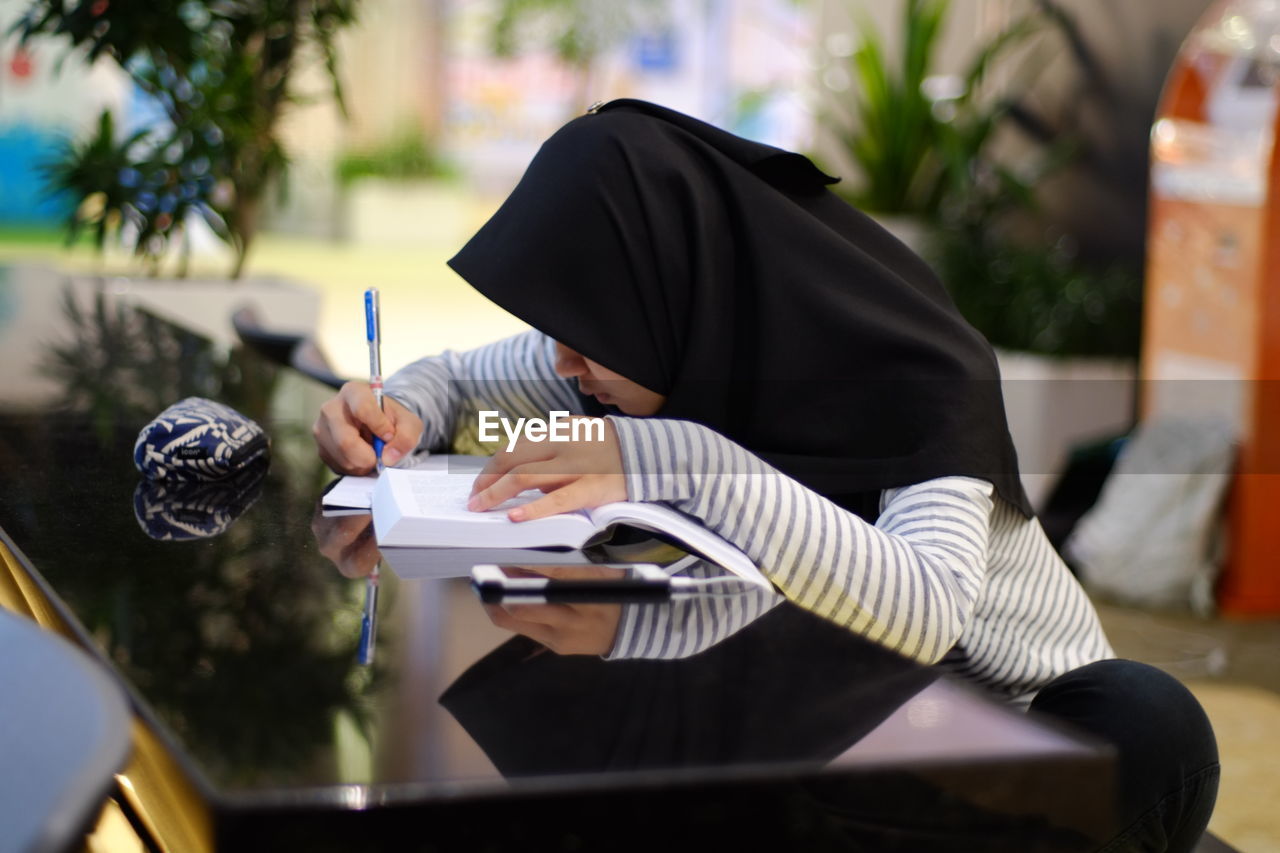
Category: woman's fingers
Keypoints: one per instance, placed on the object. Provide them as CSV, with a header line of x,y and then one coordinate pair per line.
x,y
339,433
535,631
345,423
579,494
583,492
566,630
532,475
407,432
363,406
550,615
335,533
503,462
575,475
339,440
361,557
347,542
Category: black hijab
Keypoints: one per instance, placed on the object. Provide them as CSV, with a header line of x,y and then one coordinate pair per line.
x,y
724,274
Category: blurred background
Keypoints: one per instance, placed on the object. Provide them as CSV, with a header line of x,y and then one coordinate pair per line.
x,y
366,146
1090,179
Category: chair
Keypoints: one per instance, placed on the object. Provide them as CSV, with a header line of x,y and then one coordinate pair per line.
x,y
288,350
65,736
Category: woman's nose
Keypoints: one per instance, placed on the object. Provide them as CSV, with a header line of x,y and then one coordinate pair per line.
x,y
568,363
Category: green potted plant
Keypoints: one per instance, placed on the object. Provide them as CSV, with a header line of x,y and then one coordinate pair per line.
x,y
402,191
911,133
219,76
925,146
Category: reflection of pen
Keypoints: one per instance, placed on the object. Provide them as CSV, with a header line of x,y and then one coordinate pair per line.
x,y
373,333
369,621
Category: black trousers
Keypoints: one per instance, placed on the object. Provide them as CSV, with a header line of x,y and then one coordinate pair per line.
x,y
1167,757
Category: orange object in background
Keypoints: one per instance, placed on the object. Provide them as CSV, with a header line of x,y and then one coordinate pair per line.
x,y
1212,309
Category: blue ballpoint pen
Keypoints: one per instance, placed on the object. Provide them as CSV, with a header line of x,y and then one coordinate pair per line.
x,y
374,334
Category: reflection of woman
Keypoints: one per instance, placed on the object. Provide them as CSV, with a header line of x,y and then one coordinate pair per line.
x,y
779,367
738,683
732,704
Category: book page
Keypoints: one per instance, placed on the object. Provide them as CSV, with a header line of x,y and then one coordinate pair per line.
x,y
664,519
429,509
444,496
352,492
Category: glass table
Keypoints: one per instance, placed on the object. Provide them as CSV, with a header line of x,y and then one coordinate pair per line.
x,y
727,719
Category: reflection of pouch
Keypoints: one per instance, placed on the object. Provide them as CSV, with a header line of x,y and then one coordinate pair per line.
x,y
177,510
198,439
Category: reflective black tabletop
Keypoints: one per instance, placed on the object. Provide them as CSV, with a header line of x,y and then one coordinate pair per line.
x,y
238,639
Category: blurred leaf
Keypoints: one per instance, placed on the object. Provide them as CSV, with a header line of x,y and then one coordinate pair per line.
x,y
220,73
939,161
406,156
576,31
896,133
99,174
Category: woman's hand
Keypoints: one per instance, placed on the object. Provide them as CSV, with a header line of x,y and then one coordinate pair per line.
x,y
566,629
347,541
347,423
573,474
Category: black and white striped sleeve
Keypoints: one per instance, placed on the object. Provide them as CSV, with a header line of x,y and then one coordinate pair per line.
x,y
514,376
909,582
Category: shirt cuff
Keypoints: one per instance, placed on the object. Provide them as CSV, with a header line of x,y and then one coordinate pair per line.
x,y
423,389
659,457
624,641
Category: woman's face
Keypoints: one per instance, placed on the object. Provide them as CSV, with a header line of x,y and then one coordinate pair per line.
x,y
606,386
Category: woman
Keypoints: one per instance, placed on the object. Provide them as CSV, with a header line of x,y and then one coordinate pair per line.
x,y
773,363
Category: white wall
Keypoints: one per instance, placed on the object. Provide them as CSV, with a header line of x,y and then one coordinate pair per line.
x,y
69,98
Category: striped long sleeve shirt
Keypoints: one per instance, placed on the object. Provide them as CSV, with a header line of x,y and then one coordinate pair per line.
x,y
949,573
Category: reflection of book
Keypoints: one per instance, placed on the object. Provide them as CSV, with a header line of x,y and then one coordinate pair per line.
x,y
409,563
627,546
427,509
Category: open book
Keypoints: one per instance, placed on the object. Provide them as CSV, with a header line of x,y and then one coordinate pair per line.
x,y
426,508
352,492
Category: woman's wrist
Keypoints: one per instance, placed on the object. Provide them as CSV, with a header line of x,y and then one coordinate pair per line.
x,y
658,457
625,639
422,388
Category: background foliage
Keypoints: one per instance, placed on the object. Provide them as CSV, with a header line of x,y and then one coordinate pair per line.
x,y
407,155
219,73
936,147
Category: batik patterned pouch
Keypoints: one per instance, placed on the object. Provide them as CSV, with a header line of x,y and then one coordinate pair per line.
x,y
198,439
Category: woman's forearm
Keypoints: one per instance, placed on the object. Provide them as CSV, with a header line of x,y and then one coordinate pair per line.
x,y
908,582
514,376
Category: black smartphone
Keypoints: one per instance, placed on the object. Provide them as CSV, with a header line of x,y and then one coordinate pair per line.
x,y
580,584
